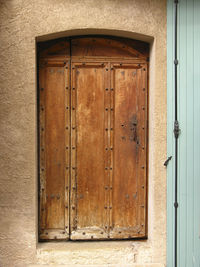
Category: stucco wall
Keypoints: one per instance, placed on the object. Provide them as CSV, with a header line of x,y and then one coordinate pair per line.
x,y
23,21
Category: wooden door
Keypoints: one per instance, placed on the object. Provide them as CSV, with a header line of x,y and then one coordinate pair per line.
x,y
93,141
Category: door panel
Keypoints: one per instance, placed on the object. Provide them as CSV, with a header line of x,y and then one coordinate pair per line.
x,y
52,154
88,216
129,177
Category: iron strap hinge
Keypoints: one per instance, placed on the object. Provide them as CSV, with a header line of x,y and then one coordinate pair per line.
x,y
176,129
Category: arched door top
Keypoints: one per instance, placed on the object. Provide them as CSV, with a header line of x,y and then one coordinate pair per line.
x,y
95,46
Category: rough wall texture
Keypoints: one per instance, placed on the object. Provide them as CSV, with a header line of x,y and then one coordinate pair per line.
x,y
21,22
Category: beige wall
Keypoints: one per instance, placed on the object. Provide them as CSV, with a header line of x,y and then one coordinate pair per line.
x,y
23,21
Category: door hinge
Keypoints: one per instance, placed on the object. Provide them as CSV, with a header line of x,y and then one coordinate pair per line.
x,y
176,129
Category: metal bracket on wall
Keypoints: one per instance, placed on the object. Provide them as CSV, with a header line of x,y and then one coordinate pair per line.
x,y
167,161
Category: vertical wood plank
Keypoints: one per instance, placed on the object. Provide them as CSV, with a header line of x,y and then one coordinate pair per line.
x,y
196,59
53,138
170,135
89,138
42,150
67,147
129,151
188,158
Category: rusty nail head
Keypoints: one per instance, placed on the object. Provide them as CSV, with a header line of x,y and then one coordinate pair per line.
x,y
105,207
83,233
66,207
106,89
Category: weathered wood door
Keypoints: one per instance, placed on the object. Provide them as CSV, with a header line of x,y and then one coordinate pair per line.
x,y
93,139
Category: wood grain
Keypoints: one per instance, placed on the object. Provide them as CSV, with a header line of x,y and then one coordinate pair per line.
x,y
53,140
93,139
129,150
88,177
